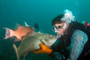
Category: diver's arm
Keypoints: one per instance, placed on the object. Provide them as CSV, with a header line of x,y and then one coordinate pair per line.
x,y
78,41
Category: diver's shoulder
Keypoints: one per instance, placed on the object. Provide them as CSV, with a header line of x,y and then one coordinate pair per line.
x,y
79,32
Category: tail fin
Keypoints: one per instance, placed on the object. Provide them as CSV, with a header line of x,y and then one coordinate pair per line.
x,y
9,33
16,50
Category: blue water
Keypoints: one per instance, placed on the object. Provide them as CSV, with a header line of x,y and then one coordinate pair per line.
x,y
35,11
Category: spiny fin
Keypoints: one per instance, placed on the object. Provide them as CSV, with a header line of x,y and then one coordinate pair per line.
x,y
16,50
26,24
17,26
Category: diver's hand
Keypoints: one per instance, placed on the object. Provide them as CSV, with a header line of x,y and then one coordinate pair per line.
x,y
44,49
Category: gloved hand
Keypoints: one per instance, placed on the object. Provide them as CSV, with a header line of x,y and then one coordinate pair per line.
x,y
44,49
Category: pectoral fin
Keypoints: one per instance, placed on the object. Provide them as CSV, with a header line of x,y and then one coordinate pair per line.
x,y
16,50
42,41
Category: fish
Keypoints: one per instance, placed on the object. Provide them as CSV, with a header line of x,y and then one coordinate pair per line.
x,y
20,32
36,26
31,43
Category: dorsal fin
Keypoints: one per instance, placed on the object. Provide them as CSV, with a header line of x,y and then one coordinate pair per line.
x,y
26,24
17,26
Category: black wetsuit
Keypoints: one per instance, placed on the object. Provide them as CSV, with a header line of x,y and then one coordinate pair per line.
x,y
65,41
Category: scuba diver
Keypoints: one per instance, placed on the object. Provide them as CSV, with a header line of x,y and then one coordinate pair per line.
x,y
73,42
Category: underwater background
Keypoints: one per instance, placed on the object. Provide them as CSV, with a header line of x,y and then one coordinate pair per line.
x,y
35,11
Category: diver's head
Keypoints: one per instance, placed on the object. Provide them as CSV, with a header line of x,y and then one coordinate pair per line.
x,y
61,22
59,26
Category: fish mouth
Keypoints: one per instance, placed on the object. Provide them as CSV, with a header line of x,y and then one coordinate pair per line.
x,y
48,43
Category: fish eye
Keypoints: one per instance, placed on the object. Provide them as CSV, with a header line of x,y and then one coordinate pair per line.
x,y
50,36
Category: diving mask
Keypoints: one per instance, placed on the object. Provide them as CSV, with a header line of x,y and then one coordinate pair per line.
x,y
57,28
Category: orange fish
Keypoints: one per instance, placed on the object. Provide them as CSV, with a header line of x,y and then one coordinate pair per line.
x,y
19,33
